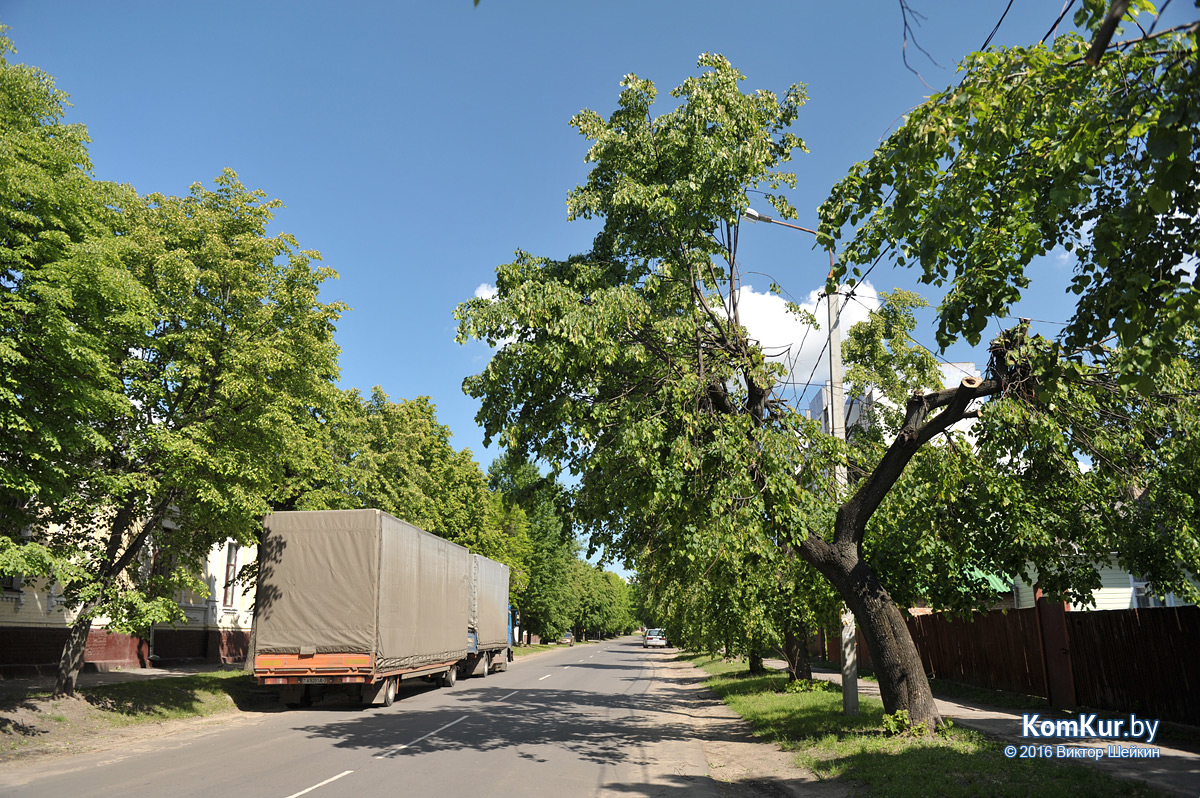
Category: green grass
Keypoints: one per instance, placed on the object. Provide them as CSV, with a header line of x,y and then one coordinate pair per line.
x,y
168,698
31,722
956,762
522,651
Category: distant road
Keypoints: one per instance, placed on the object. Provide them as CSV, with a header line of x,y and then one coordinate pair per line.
x,y
595,719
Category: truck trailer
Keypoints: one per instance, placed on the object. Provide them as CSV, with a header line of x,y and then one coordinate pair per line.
x,y
358,600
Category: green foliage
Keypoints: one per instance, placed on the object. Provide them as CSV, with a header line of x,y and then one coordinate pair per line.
x,y
811,686
227,345
600,601
547,602
157,356
896,722
1034,152
620,366
1004,498
396,457
60,308
629,367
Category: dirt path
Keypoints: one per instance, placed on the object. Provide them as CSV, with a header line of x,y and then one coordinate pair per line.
x,y
745,765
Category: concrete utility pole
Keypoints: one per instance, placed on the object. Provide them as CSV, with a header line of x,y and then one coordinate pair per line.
x,y
837,428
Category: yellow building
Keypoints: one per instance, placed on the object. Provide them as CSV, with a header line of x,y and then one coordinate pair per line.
x,y
35,619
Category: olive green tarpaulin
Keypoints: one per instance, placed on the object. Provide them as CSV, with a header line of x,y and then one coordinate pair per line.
x,y
361,581
489,602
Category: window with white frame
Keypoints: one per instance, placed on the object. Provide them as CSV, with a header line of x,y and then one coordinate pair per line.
x,y
231,553
1144,597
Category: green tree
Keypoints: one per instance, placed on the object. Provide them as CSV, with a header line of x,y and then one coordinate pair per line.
x,y
629,367
744,603
60,308
1036,148
221,345
601,601
547,601
394,456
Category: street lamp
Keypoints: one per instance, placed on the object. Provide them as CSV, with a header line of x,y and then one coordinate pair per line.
x,y
837,427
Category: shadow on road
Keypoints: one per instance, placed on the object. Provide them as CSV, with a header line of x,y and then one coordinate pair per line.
x,y
599,727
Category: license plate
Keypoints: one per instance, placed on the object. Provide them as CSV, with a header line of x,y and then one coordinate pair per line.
x,y
314,680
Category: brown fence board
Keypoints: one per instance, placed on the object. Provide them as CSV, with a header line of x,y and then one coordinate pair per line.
x,y
995,650
1145,661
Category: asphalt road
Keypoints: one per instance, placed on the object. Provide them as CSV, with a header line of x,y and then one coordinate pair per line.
x,y
602,719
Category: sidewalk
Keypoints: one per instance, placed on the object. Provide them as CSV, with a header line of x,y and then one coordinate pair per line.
x,y
1177,771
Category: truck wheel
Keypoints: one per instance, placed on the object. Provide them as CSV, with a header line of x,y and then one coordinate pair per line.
x,y
450,677
389,692
487,664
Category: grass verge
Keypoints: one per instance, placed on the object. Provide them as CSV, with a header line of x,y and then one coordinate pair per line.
x,y
955,762
524,651
193,696
32,722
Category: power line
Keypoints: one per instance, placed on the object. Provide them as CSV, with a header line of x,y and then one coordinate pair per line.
x,y
918,343
998,24
1066,7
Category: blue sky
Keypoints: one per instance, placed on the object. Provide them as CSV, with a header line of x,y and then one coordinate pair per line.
x,y
416,145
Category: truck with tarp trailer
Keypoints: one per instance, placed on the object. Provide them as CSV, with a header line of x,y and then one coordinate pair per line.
x,y
357,601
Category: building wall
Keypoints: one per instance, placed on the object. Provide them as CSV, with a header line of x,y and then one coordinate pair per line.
x,y
34,622
1116,591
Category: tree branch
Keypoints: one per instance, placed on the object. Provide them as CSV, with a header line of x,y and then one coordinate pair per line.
x,y
917,431
1104,35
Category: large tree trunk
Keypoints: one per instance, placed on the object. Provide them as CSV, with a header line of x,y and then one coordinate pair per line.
x,y
796,655
902,681
903,684
756,663
70,663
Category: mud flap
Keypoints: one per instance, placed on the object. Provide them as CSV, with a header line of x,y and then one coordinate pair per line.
x,y
372,694
290,694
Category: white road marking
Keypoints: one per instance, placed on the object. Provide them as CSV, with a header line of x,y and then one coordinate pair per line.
x,y
322,784
510,695
547,676
400,748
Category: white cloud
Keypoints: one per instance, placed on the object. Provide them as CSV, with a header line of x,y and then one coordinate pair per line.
x,y
485,291
787,339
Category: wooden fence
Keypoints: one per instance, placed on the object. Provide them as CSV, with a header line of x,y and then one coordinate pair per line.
x,y
1145,661
995,650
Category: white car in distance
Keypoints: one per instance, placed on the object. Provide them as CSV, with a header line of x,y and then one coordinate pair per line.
x,y
655,637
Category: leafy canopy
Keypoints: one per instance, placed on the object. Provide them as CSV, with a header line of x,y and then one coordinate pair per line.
x,y
1036,151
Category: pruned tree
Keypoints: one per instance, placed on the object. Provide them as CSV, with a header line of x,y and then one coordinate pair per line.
x,y
630,368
